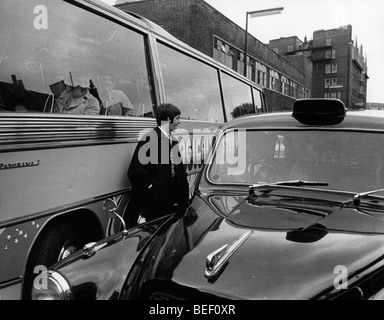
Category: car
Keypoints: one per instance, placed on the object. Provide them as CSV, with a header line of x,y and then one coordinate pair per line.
x,y
288,205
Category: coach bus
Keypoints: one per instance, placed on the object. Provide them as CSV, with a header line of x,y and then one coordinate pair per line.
x,y
79,84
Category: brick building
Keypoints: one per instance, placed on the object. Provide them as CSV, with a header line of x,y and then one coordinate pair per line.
x,y
201,26
339,68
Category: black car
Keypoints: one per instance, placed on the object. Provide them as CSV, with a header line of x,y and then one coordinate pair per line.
x,y
288,206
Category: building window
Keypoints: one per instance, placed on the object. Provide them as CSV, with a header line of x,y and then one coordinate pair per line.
x,y
300,92
328,54
328,42
240,62
290,48
276,50
326,95
294,90
334,82
251,69
333,54
327,68
264,83
223,52
334,67
284,85
273,80
259,77
327,82
260,72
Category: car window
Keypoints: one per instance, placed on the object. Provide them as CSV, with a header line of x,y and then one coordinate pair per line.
x,y
348,161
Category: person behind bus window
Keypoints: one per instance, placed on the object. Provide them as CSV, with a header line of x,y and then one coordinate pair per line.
x,y
157,174
16,98
115,101
77,100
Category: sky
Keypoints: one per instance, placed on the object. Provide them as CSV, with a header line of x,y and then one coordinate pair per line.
x,y
302,17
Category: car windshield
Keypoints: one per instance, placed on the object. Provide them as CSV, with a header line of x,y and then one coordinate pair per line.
x,y
347,161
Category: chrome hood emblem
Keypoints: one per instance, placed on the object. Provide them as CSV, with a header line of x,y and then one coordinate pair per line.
x,y
217,259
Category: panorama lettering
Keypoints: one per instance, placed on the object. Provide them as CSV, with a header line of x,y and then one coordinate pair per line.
x,y
15,165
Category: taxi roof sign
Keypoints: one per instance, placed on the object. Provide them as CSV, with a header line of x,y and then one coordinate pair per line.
x,y
319,111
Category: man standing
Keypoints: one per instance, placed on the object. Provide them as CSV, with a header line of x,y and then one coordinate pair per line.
x,y
157,174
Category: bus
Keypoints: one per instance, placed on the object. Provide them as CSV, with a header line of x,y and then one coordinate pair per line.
x,y
79,84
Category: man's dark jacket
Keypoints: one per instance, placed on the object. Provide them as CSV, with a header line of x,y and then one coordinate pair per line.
x,y
153,194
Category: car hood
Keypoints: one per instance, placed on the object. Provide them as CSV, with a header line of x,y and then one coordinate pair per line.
x,y
287,253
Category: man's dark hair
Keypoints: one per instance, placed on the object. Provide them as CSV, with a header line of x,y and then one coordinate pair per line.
x,y
166,111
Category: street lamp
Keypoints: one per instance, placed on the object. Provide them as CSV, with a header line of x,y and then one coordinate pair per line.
x,y
253,14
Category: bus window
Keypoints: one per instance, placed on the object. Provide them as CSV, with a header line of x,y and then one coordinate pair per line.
x,y
257,100
77,49
236,95
191,85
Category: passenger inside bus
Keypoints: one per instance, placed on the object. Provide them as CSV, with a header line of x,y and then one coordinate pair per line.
x,y
14,96
77,100
115,102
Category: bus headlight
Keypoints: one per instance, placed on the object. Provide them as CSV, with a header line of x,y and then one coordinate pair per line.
x,y
51,285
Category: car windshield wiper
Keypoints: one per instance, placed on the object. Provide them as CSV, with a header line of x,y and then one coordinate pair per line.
x,y
356,198
292,183
309,207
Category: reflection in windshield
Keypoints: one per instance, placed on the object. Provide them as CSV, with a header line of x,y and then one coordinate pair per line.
x,y
271,156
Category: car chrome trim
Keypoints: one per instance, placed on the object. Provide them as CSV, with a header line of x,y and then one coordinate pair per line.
x,y
62,283
217,259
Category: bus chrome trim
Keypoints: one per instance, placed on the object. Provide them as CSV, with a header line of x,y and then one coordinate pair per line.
x,y
10,290
55,212
21,132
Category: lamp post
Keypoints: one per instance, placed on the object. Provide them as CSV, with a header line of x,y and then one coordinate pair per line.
x,y
253,14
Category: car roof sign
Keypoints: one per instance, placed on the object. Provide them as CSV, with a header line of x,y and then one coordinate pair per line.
x,y
319,111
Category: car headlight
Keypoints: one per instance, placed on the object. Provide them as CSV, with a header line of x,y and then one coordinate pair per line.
x,y
51,285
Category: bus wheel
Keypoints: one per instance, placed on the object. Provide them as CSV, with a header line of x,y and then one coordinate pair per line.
x,y
56,243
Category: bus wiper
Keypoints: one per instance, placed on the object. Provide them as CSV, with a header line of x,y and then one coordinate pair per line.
x,y
358,196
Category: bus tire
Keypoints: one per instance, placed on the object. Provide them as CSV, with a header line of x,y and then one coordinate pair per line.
x,y
56,243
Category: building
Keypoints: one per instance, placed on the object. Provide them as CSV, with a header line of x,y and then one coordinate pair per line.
x,y
201,26
375,106
339,68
